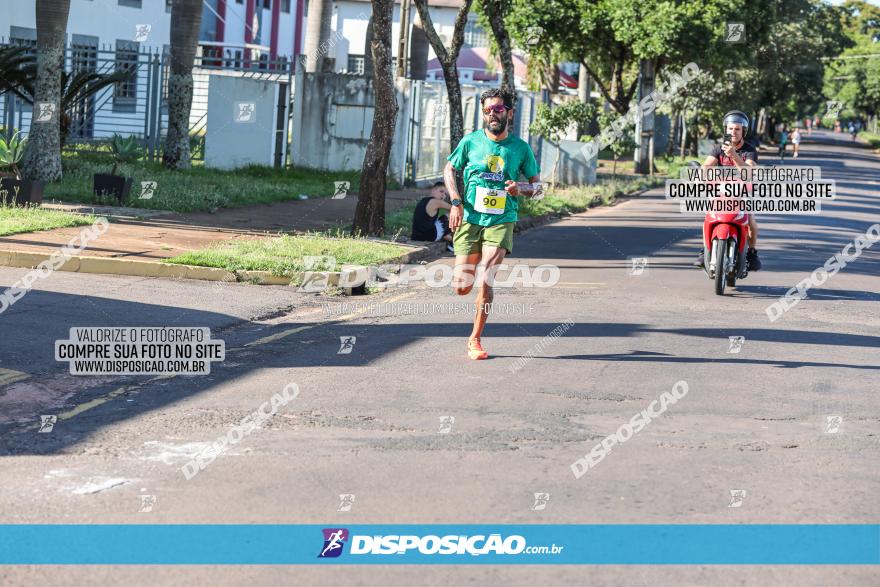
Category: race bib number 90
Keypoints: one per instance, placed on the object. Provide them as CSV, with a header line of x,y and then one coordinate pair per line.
x,y
490,201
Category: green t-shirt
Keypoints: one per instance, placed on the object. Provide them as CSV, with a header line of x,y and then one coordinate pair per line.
x,y
487,165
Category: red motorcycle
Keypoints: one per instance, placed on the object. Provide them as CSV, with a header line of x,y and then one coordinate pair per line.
x,y
725,235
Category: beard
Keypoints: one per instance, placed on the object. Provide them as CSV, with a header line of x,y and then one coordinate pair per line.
x,y
496,124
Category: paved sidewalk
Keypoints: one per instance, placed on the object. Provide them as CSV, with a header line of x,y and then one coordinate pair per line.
x,y
171,234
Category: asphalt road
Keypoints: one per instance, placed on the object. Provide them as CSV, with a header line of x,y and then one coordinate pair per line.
x,y
376,422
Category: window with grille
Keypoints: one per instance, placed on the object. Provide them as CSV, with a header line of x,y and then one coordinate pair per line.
x,y
24,37
475,35
84,54
81,114
125,91
355,64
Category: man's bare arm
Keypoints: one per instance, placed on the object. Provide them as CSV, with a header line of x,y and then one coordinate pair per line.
x,y
455,212
449,180
435,205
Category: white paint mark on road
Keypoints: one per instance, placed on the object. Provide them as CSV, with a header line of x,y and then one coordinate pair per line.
x,y
57,473
172,454
99,484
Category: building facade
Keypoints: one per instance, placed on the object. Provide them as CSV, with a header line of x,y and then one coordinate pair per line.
x,y
238,31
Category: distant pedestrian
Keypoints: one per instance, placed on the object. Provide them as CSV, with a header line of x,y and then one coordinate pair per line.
x,y
852,130
783,140
809,124
795,141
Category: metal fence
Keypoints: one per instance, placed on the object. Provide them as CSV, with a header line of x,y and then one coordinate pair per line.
x,y
139,105
429,125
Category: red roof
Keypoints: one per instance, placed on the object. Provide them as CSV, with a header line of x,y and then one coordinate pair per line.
x,y
476,58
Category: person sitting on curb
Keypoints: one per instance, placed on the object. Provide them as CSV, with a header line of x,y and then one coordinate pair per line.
x,y
427,223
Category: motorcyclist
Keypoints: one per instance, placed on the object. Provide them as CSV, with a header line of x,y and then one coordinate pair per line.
x,y
736,153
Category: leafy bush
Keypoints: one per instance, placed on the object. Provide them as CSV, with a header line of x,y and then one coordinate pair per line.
x,y
124,150
11,152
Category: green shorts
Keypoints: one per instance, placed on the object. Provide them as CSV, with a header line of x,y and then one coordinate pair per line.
x,y
470,238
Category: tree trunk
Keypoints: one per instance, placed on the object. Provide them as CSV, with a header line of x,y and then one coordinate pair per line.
x,y
684,135
368,52
186,17
645,123
617,96
495,11
42,156
453,91
369,217
673,133
318,34
553,79
584,98
418,51
448,61
695,137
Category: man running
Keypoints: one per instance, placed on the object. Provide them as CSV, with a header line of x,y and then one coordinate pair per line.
x,y
736,153
482,223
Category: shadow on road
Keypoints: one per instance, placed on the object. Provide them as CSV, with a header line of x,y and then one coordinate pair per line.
x,y
652,357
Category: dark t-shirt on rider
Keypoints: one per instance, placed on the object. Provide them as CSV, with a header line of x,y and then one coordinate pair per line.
x,y
747,151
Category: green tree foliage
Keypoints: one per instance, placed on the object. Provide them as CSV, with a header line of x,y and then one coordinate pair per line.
x,y
854,79
779,66
611,37
552,123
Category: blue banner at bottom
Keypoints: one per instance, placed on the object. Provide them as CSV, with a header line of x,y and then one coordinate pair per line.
x,y
744,544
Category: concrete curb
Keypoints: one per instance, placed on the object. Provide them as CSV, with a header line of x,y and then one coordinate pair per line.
x,y
137,268
115,266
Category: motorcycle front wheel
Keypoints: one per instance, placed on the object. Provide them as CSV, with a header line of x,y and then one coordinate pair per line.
x,y
720,256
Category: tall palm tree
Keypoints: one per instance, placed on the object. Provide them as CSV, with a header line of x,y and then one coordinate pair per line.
x,y
13,63
42,157
318,34
186,17
18,74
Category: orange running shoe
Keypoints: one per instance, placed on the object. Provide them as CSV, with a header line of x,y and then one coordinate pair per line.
x,y
475,350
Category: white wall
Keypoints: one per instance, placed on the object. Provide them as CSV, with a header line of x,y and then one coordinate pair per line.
x,y
353,27
109,21
234,31
231,144
105,19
